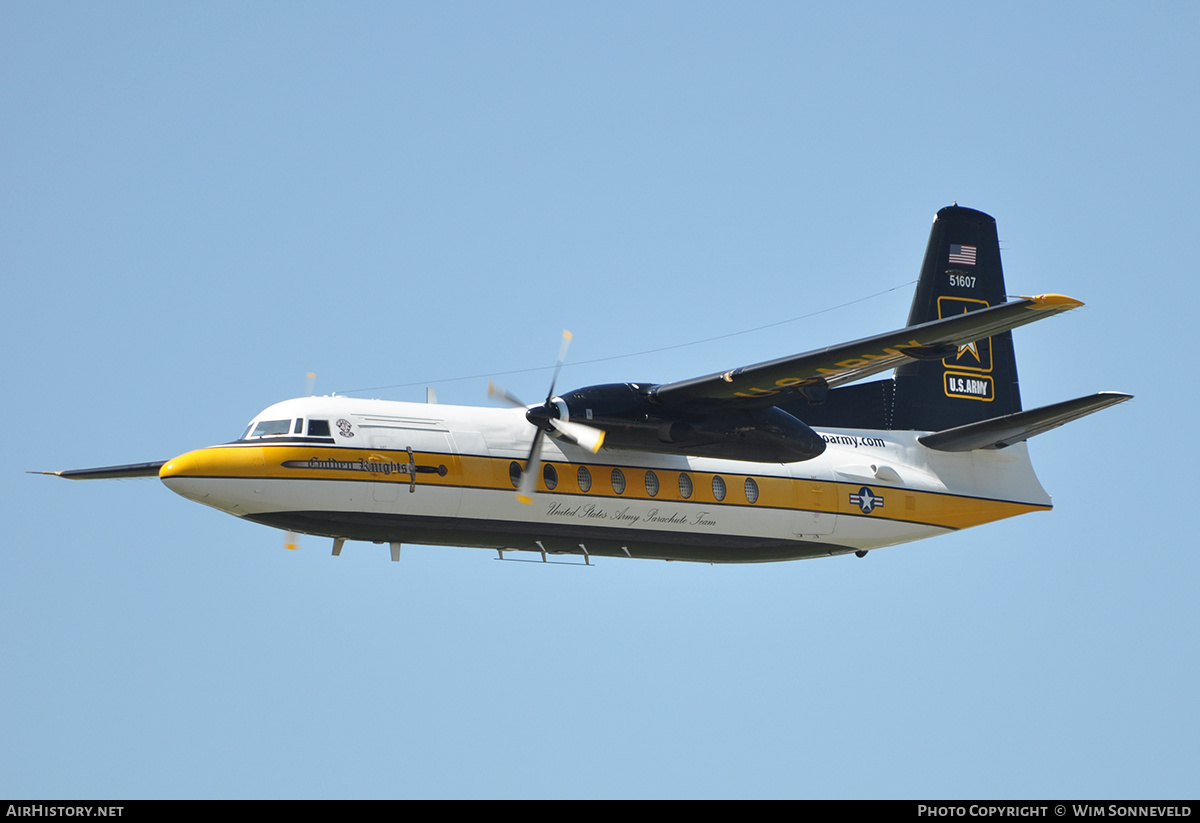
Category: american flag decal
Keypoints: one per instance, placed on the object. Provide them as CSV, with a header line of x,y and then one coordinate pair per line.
x,y
962,254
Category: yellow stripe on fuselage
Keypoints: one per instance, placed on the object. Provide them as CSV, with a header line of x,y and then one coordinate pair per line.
x,y
944,510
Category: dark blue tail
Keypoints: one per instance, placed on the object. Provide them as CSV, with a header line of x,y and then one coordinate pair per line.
x,y
961,273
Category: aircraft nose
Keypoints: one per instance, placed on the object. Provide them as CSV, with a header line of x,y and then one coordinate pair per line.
x,y
182,466
187,474
217,461
212,475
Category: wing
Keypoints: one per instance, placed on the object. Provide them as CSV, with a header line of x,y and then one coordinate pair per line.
x,y
111,472
765,384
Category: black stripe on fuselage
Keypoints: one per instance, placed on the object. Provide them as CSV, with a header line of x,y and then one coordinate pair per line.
x,y
556,538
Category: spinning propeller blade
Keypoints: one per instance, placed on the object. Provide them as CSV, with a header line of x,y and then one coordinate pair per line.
x,y
562,355
586,436
496,392
533,464
546,419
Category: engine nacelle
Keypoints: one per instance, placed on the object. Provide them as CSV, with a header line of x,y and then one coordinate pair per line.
x,y
764,435
631,421
624,401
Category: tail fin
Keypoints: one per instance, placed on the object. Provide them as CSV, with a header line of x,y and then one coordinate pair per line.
x,y
961,273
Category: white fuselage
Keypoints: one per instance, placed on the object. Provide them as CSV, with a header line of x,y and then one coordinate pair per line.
x,y
432,473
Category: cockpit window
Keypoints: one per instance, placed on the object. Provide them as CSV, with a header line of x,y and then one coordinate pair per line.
x,y
299,426
266,428
318,428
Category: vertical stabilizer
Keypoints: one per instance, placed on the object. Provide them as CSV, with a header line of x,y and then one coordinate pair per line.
x,y
961,273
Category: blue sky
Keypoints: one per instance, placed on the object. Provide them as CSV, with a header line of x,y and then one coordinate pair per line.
x,y
202,202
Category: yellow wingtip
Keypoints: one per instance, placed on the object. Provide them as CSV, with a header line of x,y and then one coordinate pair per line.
x,y
1059,302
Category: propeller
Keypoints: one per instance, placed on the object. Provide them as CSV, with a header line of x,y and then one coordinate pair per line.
x,y
548,417
291,540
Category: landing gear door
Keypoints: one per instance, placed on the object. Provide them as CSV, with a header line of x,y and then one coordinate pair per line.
x,y
814,499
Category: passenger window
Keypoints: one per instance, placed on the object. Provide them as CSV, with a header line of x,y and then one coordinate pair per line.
x,y
618,481
751,490
718,488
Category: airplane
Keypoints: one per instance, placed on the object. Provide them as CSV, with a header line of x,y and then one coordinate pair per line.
x,y
787,459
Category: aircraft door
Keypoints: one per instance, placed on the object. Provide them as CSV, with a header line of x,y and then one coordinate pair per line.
x,y
815,500
415,470
383,490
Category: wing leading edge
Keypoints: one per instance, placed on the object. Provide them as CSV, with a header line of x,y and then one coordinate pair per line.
x,y
766,384
111,472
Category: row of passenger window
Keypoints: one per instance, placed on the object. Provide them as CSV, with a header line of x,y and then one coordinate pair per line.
x,y
583,477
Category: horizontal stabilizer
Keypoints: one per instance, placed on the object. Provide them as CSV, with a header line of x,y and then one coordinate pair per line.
x,y
111,472
999,432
